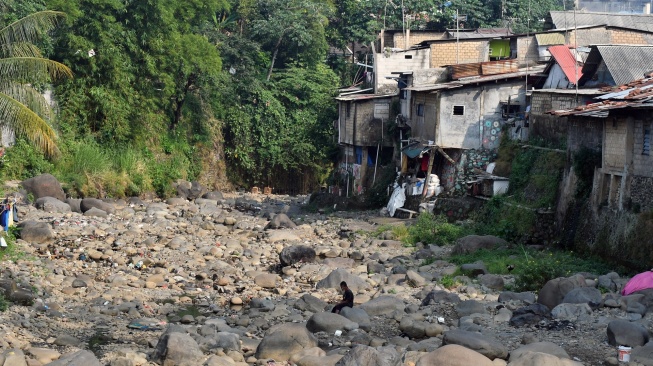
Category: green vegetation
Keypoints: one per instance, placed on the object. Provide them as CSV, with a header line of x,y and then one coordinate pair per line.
x,y
449,282
4,303
533,269
427,229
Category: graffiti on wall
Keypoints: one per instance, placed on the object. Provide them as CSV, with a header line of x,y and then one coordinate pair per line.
x,y
491,134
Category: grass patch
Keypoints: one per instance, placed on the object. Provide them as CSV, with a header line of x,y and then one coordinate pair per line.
x,y
13,252
449,282
432,229
532,269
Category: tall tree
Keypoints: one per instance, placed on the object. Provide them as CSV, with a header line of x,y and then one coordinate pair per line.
x,y
22,68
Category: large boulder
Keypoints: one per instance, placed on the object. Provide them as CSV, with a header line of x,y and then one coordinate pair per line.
x,y
542,359
454,355
44,185
311,303
383,305
177,349
88,203
437,296
338,275
296,254
525,297
625,333
571,312
51,204
367,356
469,307
75,204
284,340
542,347
484,345
472,243
281,221
213,195
78,358
530,315
329,322
357,315
189,190
36,232
583,295
554,291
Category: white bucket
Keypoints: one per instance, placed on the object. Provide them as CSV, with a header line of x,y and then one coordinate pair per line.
x,y
624,354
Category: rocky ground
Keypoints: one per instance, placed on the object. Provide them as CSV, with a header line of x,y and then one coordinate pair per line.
x,y
202,282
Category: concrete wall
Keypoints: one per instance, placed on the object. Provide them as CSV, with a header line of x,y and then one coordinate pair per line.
x,y
361,128
430,76
423,127
553,128
617,133
388,62
414,38
480,126
469,51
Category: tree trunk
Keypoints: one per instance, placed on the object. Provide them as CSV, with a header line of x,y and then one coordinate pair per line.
x,y
274,56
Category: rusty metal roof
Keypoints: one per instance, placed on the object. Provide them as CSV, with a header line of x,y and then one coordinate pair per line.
x,y
636,94
567,62
550,39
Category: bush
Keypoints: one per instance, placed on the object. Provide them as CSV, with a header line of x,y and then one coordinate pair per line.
x,y
23,161
431,229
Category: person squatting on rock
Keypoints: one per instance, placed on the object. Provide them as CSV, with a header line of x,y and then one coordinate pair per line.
x,y
347,298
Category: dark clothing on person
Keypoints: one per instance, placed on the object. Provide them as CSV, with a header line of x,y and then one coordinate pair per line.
x,y
348,301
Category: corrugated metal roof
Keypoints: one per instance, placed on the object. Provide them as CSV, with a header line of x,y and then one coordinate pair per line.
x,y
563,57
625,63
567,19
362,97
476,80
636,94
550,39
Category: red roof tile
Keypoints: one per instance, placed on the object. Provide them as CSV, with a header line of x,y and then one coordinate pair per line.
x,y
567,61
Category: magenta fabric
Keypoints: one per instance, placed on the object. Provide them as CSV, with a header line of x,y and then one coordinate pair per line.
x,y
640,282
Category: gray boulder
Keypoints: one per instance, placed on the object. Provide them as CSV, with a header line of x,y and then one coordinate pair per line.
x,y
228,341
609,281
542,359
571,312
642,355
44,185
556,289
530,315
51,204
36,232
525,297
311,303
472,243
474,269
625,333
383,305
329,322
88,203
367,356
484,345
542,347
214,195
75,204
359,316
177,349
492,281
583,295
296,254
78,358
95,212
338,275
281,221
415,279
454,355
437,296
469,307
284,340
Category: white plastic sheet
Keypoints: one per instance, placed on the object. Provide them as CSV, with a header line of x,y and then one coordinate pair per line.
x,y
397,199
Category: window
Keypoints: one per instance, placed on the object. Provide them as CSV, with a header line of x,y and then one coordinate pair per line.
x,y
348,109
408,57
420,110
459,110
646,150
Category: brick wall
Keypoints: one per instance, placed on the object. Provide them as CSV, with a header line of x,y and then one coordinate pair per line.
x,y
527,52
415,38
614,146
622,36
444,53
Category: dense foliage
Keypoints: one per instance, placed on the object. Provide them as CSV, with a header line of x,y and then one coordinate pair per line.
x,y
169,89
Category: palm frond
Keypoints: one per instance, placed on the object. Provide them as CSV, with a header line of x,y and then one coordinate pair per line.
x,y
21,49
30,97
25,122
35,69
29,29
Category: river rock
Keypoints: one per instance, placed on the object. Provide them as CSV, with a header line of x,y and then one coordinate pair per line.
x,y
472,243
555,290
51,204
338,275
44,185
266,280
484,345
177,349
571,312
284,340
542,359
359,316
367,356
525,297
530,315
296,254
542,347
454,355
494,282
583,295
78,358
280,221
88,203
329,322
437,296
36,232
95,212
625,333
383,305
311,303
